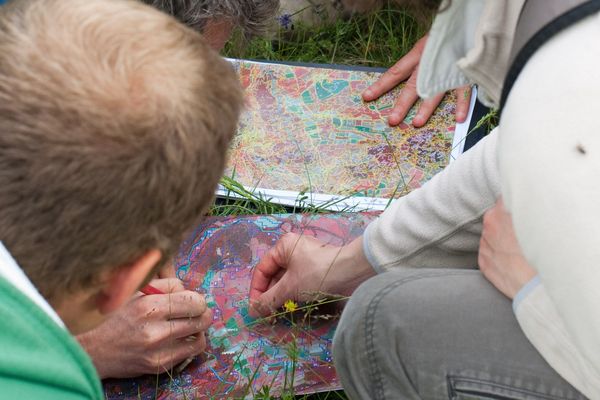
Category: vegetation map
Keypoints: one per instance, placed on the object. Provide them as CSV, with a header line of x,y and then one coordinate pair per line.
x,y
244,355
307,129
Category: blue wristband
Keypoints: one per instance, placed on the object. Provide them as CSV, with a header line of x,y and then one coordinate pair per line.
x,y
525,290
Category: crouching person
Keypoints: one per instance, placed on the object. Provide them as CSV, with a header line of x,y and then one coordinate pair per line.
x,y
114,123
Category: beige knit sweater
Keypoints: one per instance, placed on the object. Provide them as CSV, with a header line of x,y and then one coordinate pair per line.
x,y
544,160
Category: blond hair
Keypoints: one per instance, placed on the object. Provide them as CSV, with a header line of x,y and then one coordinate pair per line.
x,y
114,124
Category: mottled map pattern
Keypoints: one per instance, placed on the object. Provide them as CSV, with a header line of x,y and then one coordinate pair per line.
x,y
307,129
246,354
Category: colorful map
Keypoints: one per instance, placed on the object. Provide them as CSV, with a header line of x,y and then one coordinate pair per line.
x,y
307,129
244,354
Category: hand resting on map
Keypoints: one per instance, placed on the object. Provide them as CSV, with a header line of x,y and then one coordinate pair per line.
x,y
407,68
301,268
151,333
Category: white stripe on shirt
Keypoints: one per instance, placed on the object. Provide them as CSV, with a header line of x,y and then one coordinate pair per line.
x,y
10,270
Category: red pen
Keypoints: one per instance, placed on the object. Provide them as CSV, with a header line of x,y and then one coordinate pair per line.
x,y
149,289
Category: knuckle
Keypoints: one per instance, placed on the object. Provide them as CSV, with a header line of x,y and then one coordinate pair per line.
x,y
395,71
140,304
401,68
196,300
151,336
143,306
175,284
152,361
148,360
403,105
190,325
288,238
147,336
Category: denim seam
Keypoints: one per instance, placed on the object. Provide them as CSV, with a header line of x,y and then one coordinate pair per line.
x,y
369,326
452,391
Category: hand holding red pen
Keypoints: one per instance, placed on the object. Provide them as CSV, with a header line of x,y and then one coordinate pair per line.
x,y
149,289
151,333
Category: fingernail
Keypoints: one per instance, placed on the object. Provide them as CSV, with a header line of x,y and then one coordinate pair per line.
x,y
368,93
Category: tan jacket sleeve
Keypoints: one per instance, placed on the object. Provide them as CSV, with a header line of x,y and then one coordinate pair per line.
x,y
546,330
438,225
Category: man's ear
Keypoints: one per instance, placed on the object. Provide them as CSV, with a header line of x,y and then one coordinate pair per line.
x,y
123,281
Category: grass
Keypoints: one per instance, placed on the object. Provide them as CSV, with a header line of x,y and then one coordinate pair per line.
x,y
375,40
489,121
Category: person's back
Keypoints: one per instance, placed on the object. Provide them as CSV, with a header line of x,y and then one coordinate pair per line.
x,y
114,125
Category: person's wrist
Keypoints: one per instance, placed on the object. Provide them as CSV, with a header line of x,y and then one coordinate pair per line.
x,y
86,340
523,277
350,269
525,291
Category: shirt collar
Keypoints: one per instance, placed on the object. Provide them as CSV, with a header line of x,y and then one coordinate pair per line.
x,y
11,272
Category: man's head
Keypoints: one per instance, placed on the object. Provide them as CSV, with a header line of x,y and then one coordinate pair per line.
x,y
114,124
216,18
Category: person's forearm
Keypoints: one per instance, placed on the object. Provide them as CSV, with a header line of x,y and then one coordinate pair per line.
x,y
87,341
438,225
349,269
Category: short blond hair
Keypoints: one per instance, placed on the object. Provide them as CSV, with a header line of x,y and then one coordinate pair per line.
x,y
114,124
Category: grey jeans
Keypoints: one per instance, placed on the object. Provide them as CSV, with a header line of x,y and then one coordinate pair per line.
x,y
438,334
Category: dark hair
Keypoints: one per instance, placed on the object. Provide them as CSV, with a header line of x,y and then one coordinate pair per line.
x,y
251,16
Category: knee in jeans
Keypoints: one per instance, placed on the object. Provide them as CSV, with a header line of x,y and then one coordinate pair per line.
x,y
392,304
370,344
385,301
398,294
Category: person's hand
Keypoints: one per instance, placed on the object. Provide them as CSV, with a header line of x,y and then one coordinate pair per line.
x,y
407,68
301,268
167,271
151,333
500,258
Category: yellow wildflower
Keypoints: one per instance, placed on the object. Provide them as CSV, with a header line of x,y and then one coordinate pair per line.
x,y
290,306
